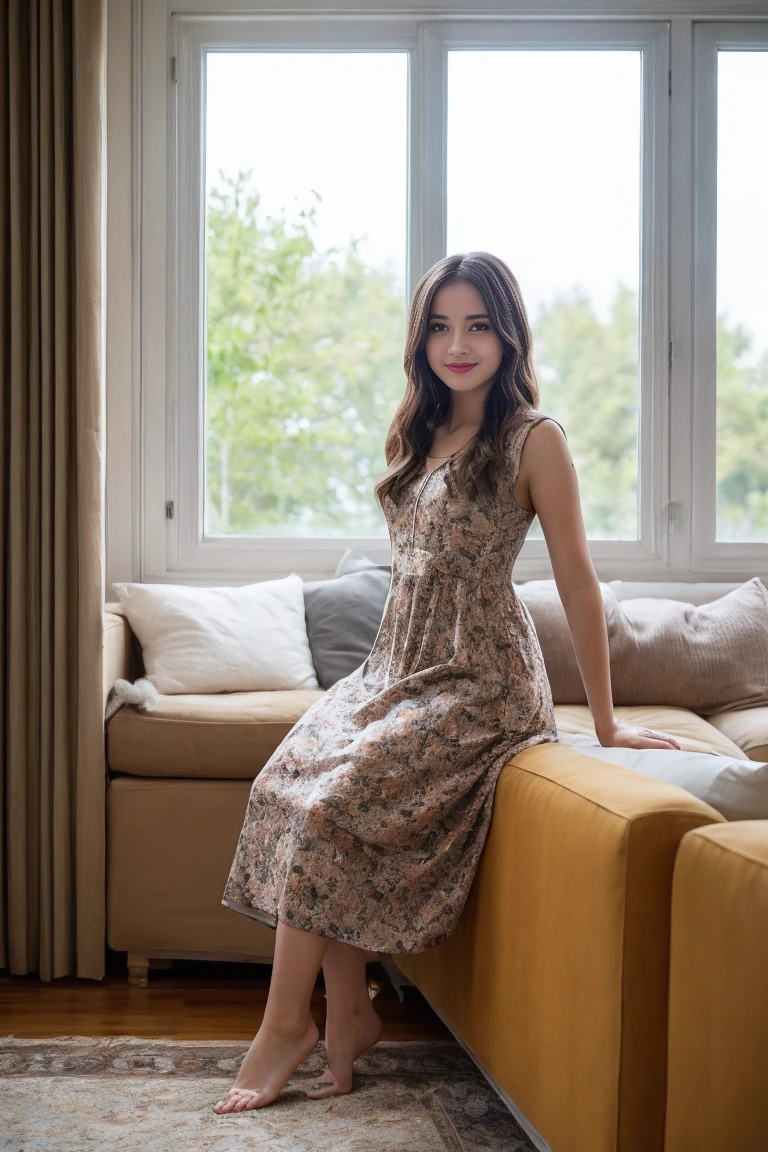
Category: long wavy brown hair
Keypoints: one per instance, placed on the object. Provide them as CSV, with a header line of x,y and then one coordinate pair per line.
x,y
426,403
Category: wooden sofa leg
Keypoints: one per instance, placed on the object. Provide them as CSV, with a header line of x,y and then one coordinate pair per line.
x,y
138,965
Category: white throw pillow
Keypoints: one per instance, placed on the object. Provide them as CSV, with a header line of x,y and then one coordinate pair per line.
x,y
247,639
737,789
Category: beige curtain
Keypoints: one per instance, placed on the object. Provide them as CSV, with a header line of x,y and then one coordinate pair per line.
x,y
52,100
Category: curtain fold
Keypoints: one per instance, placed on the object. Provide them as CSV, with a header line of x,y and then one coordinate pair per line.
x,y
52,788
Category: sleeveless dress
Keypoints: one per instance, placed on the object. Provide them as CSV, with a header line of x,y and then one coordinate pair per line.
x,y
367,822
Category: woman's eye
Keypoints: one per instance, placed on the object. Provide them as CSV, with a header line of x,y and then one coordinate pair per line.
x,y
475,325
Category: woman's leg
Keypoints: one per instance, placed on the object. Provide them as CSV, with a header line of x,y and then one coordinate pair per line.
x,y
351,1024
288,1033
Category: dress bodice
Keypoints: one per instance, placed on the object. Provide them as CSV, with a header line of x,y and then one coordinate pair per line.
x,y
433,523
451,604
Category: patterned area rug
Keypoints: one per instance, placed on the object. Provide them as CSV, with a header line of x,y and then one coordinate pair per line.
x,y
83,1094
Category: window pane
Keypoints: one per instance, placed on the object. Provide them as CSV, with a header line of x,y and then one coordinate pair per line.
x,y
305,182
544,151
742,296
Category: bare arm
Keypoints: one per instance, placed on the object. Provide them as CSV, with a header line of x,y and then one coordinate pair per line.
x,y
554,491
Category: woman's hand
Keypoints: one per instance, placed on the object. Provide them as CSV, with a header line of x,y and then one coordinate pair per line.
x,y
624,735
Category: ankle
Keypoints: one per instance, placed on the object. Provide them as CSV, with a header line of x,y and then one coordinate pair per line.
x,y
287,1028
352,1011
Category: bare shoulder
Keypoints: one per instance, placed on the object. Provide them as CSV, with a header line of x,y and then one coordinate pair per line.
x,y
545,427
545,453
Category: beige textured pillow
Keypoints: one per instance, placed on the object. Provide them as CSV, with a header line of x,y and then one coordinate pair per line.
x,y
707,658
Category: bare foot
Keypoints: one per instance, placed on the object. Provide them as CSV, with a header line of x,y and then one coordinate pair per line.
x,y
267,1066
344,1043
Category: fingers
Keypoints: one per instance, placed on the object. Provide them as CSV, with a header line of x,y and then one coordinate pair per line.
x,y
659,740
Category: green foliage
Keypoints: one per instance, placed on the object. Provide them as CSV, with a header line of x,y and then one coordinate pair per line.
x,y
741,438
588,373
304,363
304,372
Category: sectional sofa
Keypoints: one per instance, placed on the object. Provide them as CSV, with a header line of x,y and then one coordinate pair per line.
x,y
608,971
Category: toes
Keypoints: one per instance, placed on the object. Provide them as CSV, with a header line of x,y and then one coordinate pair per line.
x,y
323,1089
246,1102
236,1102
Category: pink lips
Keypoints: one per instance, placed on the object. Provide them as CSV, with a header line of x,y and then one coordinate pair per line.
x,y
460,367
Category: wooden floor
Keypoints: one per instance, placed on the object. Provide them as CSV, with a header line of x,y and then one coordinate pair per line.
x,y
189,1001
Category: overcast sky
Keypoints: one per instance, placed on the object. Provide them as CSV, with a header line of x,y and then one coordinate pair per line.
x,y
543,161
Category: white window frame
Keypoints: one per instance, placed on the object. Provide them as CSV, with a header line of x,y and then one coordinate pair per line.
x,y
188,550
672,542
709,553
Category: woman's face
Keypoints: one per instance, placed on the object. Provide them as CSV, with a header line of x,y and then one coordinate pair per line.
x,y
460,332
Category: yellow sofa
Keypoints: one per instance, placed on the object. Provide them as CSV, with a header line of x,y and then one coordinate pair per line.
x,y
717,1088
557,979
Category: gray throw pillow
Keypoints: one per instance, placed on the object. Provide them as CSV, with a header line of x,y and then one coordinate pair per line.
x,y
343,615
352,561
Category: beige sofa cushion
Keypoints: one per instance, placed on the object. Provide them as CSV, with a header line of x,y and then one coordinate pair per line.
x,y
747,727
221,736
707,658
692,732
232,736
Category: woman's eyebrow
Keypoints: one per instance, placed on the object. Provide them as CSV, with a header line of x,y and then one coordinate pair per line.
x,y
476,316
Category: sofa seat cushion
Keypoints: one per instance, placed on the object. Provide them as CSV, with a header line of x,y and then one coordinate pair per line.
x,y
747,727
228,735
693,733
231,735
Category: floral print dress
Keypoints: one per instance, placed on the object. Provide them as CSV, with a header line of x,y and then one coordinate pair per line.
x,y
367,822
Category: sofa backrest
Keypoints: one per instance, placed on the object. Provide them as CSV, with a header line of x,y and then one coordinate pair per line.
x,y
695,592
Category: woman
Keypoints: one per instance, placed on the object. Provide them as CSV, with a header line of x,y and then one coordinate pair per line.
x,y
364,829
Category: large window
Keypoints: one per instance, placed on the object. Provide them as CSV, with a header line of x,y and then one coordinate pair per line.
x,y
298,176
730,295
546,171
742,296
305,231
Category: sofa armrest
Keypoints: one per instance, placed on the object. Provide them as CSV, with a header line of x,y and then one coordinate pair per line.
x,y
556,975
718,995
116,651
746,727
